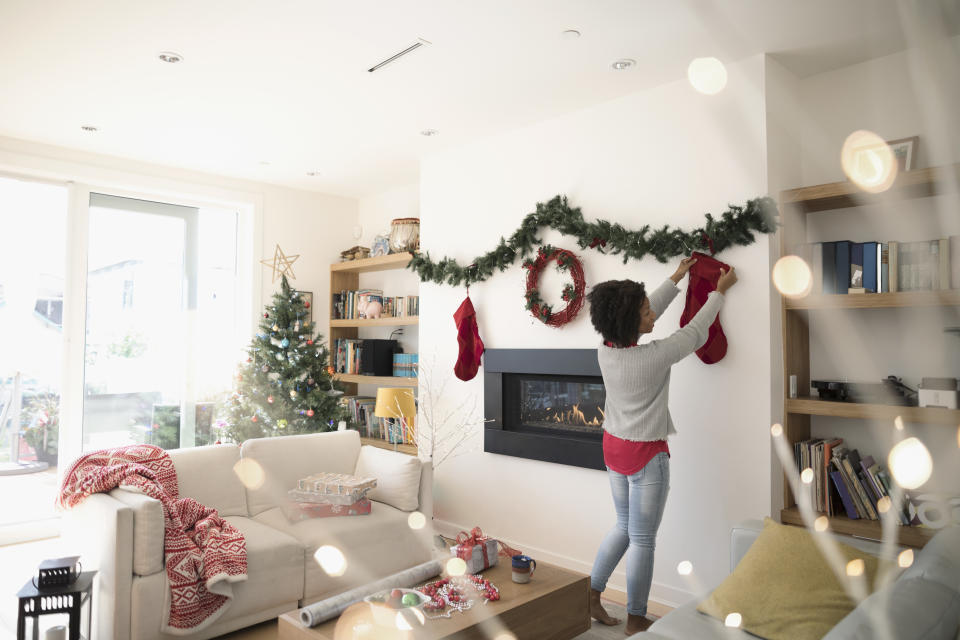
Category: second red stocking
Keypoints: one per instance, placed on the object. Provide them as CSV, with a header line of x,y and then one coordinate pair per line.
x,y
703,279
468,341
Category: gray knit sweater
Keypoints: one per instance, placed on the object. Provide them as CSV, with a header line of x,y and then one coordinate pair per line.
x,y
637,379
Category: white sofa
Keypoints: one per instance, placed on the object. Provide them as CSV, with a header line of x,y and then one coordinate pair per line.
x,y
923,603
120,534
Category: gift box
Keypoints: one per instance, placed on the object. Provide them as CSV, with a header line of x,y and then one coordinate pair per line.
x,y
297,511
319,485
478,557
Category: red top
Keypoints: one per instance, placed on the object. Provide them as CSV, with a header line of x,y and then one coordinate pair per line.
x,y
627,457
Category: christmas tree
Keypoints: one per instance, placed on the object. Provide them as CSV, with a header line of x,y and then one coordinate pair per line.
x,y
285,386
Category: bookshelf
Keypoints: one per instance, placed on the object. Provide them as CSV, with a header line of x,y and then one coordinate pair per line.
x,y
346,276
795,204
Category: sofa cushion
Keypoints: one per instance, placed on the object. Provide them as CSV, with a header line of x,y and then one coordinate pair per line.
x,y
148,528
274,579
286,460
939,560
397,474
206,474
910,608
685,622
375,546
784,588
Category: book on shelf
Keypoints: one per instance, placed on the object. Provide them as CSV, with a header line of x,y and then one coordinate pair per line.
x,y
843,261
346,304
870,264
893,258
360,410
845,498
856,266
405,365
816,266
829,266
883,266
829,504
851,462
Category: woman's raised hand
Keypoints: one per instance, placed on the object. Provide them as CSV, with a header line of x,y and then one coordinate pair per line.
x,y
727,280
681,271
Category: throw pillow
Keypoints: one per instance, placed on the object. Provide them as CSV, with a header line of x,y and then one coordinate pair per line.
x,y
909,609
784,589
397,474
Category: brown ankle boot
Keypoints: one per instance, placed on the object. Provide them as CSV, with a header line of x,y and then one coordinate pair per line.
x,y
636,624
598,613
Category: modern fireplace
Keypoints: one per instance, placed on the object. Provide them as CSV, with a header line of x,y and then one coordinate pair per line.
x,y
544,404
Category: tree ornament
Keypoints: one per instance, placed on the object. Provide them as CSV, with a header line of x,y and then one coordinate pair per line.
x,y
253,419
270,399
279,356
306,305
310,342
266,315
735,226
293,394
265,368
310,412
310,381
573,294
284,343
249,359
275,327
282,264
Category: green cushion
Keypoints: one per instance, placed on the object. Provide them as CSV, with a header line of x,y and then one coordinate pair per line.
x,y
783,588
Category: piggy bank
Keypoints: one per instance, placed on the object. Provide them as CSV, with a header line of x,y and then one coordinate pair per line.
x,y
370,309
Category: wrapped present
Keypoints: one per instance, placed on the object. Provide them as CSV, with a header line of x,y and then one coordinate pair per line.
x,y
297,511
332,488
477,550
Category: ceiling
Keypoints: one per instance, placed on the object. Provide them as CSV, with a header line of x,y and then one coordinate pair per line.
x,y
271,91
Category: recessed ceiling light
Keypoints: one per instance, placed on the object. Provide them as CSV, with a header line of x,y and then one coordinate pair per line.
x,y
314,174
89,129
623,63
170,56
265,163
429,132
570,34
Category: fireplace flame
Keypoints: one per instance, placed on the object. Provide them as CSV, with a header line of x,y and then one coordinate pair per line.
x,y
575,416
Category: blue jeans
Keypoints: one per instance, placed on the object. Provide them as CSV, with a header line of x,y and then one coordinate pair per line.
x,y
639,500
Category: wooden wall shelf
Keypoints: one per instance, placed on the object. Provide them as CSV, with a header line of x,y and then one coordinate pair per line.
x,y
896,299
381,381
377,322
380,263
869,529
886,412
841,195
409,449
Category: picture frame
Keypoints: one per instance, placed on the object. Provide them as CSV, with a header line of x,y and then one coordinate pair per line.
x,y
308,298
381,246
905,151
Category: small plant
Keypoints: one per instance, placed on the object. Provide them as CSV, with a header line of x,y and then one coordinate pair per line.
x,y
43,429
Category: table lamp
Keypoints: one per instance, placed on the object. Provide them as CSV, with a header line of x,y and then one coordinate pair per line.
x,y
395,405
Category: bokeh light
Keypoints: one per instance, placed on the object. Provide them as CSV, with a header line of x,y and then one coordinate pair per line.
x,y
331,560
416,520
806,476
792,277
707,75
733,620
855,568
506,635
250,473
910,463
776,430
456,567
898,423
685,568
821,524
883,504
905,559
868,161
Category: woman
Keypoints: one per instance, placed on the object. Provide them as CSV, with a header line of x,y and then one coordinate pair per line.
x,y
637,422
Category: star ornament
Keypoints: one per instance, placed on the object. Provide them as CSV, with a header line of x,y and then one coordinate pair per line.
x,y
282,264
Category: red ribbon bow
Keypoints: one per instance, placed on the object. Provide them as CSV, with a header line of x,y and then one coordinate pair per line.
x,y
598,241
467,541
705,239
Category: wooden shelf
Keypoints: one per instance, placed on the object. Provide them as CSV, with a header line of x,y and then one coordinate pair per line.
x,y
383,381
409,449
378,322
924,415
380,263
869,529
840,195
943,298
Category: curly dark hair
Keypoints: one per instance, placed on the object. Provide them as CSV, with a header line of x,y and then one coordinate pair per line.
x,y
615,310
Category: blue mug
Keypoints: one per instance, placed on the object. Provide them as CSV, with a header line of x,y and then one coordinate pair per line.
x,y
523,568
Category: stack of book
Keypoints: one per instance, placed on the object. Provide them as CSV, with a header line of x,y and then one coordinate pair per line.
x,y
362,419
346,355
346,304
843,481
405,365
843,267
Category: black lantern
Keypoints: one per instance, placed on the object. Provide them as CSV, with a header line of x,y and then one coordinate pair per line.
x,y
60,587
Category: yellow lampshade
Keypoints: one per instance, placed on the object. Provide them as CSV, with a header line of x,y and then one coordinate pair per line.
x,y
395,403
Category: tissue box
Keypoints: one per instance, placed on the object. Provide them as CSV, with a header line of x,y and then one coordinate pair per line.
x,y
479,557
297,511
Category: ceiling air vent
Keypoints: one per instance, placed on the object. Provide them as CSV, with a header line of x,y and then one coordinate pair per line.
x,y
416,45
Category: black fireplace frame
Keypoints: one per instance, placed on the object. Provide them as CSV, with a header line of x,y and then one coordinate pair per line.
x,y
579,450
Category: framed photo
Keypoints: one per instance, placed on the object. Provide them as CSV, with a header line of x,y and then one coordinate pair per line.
x,y
307,297
905,151
381,246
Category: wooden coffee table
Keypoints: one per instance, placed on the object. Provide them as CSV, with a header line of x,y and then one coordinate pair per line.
x,y
554,605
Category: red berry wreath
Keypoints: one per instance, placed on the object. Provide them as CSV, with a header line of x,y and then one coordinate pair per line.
x,y
572,293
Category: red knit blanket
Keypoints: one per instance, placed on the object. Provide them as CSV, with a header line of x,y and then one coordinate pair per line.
x,y
204,553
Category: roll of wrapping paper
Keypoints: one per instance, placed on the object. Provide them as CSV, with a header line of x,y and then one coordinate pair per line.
x,y
314,614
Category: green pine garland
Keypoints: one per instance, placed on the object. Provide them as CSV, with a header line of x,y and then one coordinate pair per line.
x,y
735,226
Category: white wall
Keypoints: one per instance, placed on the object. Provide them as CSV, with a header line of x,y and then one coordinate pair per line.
x,y
913,92
664,156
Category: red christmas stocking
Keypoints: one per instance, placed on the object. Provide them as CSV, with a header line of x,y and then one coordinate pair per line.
x,y
703,279
468,338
